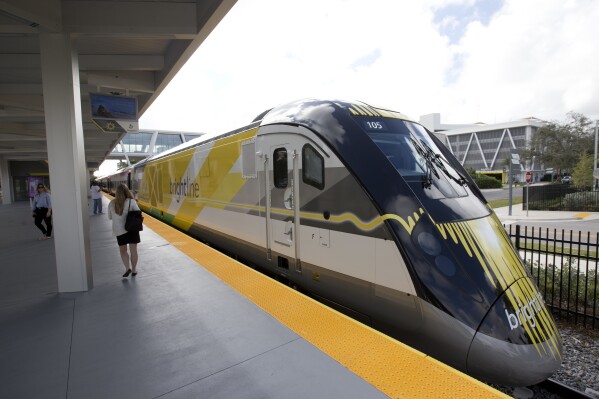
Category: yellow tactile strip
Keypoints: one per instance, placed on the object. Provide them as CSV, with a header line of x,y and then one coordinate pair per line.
x,y
392,367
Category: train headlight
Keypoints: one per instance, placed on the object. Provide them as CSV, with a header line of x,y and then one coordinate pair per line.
x,y
445,265
429,243
432,246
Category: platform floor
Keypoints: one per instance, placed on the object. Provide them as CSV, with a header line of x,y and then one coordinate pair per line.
x,y
174,331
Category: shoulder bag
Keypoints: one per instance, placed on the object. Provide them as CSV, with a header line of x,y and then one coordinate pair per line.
x,y
134,220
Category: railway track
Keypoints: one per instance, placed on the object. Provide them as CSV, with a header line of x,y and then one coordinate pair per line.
x,y
563,391
548,389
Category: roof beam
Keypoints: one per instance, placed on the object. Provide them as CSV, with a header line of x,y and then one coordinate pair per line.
x,y
87,62
30,15
20,88
120,18
121,62
134,81
17,131
23,101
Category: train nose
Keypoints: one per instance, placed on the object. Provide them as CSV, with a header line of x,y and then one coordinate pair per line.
x,y
517,343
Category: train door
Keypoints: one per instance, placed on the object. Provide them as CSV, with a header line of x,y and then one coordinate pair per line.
x,y
282,163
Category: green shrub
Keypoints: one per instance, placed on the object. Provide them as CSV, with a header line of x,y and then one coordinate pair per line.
x,y
582,201
567,286
547,205
484,181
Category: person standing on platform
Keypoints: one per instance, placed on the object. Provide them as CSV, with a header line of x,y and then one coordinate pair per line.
x,y
96,194
118,209
42,211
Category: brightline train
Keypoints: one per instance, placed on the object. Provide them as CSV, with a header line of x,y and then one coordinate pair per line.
x,y
367,211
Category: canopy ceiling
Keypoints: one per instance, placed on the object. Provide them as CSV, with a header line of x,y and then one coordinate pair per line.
x,y
132,48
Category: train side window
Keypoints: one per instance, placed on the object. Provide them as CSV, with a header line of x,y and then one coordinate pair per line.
x,y
312,167
279,157
248,159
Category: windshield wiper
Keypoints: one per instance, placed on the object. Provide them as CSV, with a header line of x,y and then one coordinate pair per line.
x,y
461,179
427,177
430,160
434,161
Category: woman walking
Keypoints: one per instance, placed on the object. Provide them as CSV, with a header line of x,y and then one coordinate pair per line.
x,y
42,211
118,209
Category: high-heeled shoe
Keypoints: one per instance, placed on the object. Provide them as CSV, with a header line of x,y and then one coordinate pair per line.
x,y
127,273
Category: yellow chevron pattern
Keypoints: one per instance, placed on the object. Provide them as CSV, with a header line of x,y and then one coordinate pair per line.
x,y
366,110
217,184
505,271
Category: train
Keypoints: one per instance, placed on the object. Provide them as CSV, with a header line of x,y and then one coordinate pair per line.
x,y
365,210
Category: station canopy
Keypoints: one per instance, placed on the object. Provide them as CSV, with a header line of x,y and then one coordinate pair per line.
x,y
125,48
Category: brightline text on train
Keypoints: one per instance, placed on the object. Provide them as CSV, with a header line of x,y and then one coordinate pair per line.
x,y
526,312
184,187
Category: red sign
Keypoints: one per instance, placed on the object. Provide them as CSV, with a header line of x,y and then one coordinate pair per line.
x,y
528,176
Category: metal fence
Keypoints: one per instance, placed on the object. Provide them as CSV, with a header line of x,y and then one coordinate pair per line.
x,y
560,197
564,266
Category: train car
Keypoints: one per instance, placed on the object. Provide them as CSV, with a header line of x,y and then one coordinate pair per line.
x,y
365,210
111,182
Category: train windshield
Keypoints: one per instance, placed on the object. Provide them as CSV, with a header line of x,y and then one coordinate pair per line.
x,y
416,157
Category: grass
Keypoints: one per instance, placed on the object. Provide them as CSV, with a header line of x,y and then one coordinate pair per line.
x,y
500,203
557,249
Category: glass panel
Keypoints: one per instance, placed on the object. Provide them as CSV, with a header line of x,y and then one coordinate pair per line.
x,y
166,141
136,142
416,157
312,167
248,160
280,167
20,192
189,137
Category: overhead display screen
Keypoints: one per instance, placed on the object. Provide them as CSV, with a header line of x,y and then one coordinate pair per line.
x,y
114,114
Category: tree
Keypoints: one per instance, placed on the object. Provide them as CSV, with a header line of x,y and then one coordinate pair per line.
x,y
559,145
471,171
582,175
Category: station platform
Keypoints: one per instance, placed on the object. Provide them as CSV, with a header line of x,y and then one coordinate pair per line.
x,y
192,324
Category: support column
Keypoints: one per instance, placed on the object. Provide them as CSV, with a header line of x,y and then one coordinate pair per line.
x,y
66,161
6,183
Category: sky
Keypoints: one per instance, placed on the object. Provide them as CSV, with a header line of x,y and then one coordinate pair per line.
x,y
471,61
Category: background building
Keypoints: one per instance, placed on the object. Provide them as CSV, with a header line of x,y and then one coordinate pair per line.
x,y
486,148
